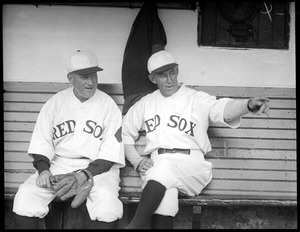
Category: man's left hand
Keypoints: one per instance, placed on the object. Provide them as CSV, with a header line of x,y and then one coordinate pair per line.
x,y
259,105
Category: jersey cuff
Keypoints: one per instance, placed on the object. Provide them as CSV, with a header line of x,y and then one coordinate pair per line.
x,y
41,163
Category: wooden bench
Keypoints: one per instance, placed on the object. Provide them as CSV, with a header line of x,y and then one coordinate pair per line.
x,y
252,165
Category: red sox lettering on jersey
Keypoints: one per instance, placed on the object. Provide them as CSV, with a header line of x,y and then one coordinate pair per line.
x,y
175,121
68,127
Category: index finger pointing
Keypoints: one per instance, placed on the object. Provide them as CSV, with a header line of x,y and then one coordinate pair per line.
x,y
264,99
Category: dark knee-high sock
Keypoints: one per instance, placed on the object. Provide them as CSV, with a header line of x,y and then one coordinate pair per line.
x,y
23,222
162,222
152,195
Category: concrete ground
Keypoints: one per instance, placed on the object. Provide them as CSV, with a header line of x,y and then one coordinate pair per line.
x,y
219,217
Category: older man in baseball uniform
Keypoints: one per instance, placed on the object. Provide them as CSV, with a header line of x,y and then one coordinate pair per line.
x,y
77,133
176,119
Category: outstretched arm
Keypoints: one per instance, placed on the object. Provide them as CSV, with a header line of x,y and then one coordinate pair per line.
x,y
237,108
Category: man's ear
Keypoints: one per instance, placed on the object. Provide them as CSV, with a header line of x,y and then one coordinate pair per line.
x,y
152,79
70,78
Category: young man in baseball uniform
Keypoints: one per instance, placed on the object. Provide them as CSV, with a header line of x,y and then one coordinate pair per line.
x,y
78,132
176,119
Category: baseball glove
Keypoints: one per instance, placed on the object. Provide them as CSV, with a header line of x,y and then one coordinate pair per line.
x,y
68,185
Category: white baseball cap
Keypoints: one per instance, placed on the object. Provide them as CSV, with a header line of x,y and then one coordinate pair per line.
x,y
160,62
82,63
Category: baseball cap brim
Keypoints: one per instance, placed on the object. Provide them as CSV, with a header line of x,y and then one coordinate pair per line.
x,y
87,70
164,68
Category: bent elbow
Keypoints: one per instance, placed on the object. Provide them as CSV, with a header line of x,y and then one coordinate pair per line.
x,y
227,119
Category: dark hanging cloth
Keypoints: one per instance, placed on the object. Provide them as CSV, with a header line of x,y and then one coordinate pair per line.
x,y
146,37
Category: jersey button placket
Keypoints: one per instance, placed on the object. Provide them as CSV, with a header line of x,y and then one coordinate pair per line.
x,y
79,123
165,113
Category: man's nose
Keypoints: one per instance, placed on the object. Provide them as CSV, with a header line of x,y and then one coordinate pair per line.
x,y
90,80
169,78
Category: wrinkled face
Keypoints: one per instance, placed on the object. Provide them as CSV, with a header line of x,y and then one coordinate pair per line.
x,y
84,85
166,81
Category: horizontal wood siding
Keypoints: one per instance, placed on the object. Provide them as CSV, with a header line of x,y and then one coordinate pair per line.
x,y
256,160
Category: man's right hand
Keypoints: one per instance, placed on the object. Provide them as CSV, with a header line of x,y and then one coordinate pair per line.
x,y
144,165
43,180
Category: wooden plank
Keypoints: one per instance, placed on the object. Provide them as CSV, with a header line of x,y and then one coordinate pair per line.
x,y
27,97
249,164
254,175
251,133
246,92
286,103
111,88
26,116
119,99
245,185
53,87
237,200
36,101
36,106
253,144
49,87
20,117
283,103
11,188
265,123
129,190
17,157
19,126
253,154
18,166
275,114
131,181
16,146
223,200
268,123
15,177
255,193
128,171
134,194
244,196
23,107
17,136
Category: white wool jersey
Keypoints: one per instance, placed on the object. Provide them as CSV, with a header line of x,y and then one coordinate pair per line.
x,y
68,128
178,121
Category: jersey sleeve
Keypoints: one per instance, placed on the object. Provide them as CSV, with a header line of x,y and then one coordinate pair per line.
x,y
42,136
133,122
216,113
112,146
214,109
